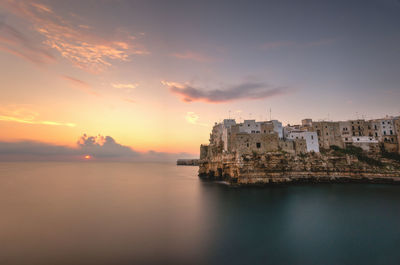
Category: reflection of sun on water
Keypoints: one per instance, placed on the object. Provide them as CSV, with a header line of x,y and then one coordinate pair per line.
x,y
87,157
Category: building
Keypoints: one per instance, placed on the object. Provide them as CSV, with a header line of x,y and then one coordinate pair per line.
x,y
367,143
357,127
328,133
311,139
396,122
251,126
346,133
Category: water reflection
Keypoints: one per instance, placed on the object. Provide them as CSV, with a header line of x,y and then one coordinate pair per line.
x,y
131,213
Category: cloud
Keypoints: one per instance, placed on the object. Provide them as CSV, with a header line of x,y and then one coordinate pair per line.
x,y
193,118
15,42
276,44
81,85
194,56
99,148
283,44
103,146
129,100
121,85
248,90
75,43
27,116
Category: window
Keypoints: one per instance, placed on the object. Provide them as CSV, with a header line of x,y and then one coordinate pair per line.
x,y
359,128
312,137
376,128
358,139
327,133
247,144
248,125
258,145
354,134
359,133
376,134
346,139
392,140
384,132
352,127
265,131
391,132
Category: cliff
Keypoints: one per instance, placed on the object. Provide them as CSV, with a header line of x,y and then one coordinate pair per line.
x,y
281,167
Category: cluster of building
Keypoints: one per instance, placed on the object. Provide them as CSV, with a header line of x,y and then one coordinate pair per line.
x,y
311,136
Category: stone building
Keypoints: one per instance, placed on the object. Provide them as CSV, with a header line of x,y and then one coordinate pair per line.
x,y
245,143
328,133
396,122
357,127
346,133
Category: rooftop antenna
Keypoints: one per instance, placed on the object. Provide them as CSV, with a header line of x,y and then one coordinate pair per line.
x,y
270,114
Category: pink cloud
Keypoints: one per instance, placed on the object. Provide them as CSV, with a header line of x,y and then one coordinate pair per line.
x,y
243,91
75,43
16,43
81,85
194,56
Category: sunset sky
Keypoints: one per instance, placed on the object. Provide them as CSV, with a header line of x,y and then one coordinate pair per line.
x,y
156,75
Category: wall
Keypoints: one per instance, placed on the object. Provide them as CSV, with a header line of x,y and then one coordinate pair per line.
x,y
328,134
244,143
311,139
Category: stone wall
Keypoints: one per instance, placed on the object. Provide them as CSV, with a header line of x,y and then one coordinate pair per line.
x,y
245,143
328,134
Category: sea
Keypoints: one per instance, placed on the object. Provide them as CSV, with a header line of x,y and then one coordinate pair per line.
x,y
159,213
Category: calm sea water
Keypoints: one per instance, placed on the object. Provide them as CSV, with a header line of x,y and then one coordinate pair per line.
x,y
138,213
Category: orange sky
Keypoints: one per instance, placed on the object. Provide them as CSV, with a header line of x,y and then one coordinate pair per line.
x,y
140,75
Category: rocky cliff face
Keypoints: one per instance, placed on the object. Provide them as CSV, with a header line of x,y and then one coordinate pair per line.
x,y
281,167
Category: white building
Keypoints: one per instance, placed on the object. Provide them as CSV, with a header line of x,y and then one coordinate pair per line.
x,y
364,139
310,137
250,126
367,143
278,128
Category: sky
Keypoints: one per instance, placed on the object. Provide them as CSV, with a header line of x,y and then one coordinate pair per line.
x,y
154,76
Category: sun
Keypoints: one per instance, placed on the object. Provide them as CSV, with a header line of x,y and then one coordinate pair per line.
x,y
88,157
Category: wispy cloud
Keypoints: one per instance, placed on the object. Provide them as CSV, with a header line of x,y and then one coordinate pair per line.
x,y
276,44
76,43
247,90
284,44
125,85
194,56
193,118
81,85
129,100
27,116
15,42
